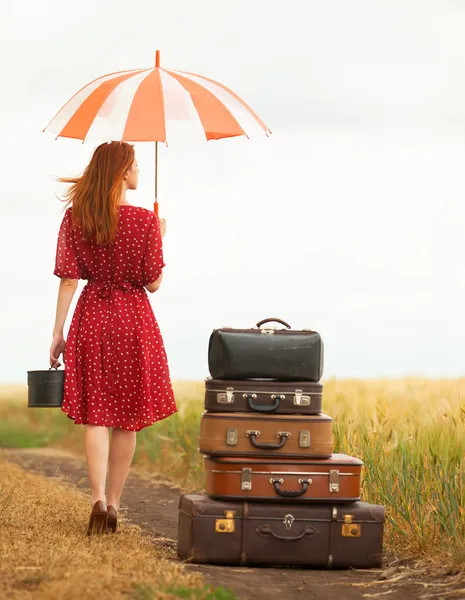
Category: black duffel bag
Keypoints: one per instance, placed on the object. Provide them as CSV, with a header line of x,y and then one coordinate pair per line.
x,y
266,353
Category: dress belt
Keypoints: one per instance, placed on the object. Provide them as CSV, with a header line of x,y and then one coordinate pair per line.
x,y
105,288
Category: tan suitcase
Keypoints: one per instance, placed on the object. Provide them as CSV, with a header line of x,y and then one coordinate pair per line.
x,y
246,434
335,479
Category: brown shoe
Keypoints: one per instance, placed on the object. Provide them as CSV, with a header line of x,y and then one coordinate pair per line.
x,y
112,518
98,522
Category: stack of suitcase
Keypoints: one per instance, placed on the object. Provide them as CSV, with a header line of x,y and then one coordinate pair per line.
x,y
275,492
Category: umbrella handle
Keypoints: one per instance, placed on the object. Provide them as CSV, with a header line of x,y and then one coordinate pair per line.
x,y
155,206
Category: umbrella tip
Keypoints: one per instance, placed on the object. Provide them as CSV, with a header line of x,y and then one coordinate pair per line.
x,y
157,59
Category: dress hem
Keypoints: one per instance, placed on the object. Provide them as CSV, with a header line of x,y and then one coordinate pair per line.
x,y
78,421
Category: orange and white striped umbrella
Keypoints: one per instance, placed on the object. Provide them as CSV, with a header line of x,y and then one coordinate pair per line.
x,y
138,106
142,104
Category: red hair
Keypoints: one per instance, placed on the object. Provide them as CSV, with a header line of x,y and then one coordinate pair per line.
x,y
96,194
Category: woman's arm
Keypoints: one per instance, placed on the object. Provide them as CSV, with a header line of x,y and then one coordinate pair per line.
x,y
153,287
65,296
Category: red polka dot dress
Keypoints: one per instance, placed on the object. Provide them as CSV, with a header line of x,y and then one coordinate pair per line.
x,y
116,369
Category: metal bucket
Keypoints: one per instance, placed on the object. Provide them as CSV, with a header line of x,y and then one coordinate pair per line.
x,y
45,388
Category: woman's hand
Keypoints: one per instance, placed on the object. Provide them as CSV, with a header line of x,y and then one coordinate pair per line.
x,y
58,347
162,227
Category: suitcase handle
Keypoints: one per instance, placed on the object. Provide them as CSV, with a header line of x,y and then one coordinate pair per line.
x,y
266,531
273,320
283,435
290,494
252,406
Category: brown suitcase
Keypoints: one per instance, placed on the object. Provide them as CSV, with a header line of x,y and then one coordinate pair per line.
x,y
317,535
263,396
248,434
335,479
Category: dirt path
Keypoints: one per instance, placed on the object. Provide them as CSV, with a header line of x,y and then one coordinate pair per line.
x,y
152,503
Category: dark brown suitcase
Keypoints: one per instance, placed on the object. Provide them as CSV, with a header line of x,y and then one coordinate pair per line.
x,y
335,479
318,535
248,434
263,396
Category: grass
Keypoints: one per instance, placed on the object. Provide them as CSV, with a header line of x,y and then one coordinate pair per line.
x,y
47,555
410,433
205,593
146,592
411,436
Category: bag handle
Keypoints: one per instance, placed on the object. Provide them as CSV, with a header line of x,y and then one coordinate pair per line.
x,y
273,320
282,435
290,494
251,397
266,531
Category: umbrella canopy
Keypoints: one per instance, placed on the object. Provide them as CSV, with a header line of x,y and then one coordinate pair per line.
x,y
139,105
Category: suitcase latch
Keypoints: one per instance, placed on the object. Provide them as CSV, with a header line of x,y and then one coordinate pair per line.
x,y
267,331
300,400
227,397
304,439
288,520
333,481
231,437
350,529
226,525
246,480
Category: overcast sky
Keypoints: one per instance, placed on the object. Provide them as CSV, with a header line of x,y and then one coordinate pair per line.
x,y
348,220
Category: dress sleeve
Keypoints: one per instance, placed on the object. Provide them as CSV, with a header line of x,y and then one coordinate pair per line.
x,y
152,262
66,262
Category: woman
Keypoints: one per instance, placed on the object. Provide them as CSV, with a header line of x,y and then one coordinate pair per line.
x,y
117,374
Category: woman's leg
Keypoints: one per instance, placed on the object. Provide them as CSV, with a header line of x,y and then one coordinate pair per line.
x,y
122,446
96,448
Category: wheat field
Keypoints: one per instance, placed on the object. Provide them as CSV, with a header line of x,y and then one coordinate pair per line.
x,y
410,434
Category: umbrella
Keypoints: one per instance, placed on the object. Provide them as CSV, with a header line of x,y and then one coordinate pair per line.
x,y
138,106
